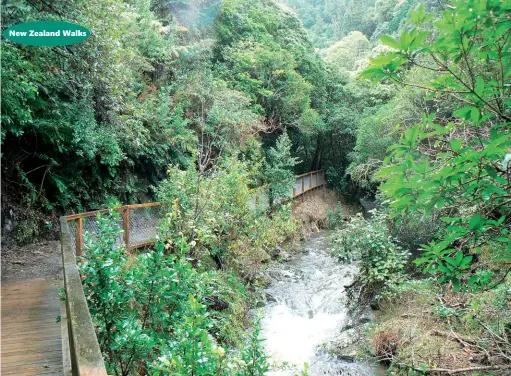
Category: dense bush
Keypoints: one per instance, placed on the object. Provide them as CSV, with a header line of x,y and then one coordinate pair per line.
x,y
279,171
455,168
153,312
101,120
415,230
217,212
381,261
173,309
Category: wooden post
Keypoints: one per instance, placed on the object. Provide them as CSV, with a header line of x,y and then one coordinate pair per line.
x,y
294,191
126,226
79,236
310,180
303,187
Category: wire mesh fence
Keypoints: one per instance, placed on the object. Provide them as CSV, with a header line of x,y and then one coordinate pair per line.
x,y
140,222
143,224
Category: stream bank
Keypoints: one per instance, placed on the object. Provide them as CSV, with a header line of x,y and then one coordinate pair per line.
x,y
306,320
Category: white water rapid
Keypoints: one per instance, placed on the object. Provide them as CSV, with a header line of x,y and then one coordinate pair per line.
x,y
306,311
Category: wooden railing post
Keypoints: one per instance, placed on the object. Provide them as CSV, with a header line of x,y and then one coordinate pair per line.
x,y
79,236
303,186
126,226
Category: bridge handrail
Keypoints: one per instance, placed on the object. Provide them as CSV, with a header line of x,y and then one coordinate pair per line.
x,y
84,351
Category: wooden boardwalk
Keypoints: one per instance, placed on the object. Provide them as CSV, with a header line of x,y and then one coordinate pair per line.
x,y
31,335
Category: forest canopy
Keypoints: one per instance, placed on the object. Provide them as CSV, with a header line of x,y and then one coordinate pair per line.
x,y
102,120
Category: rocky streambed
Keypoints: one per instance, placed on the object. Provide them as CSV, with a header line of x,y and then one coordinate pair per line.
x,y
306,320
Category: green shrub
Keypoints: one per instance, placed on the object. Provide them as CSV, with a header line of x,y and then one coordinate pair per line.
x,y
431,169
152,313
335,218
414,230
217,214
380,259
279,172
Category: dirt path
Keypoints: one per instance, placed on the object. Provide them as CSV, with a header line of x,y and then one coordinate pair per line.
x,y
40,260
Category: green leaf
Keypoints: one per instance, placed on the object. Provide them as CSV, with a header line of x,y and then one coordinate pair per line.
x,y
451,261
459,257
476,223
475,114
456,284
445,268
421,11
465,262
473,280
389,41
463,112
456,144
421,37
479,86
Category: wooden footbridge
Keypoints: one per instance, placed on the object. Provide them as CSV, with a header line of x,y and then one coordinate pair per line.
x,y
47,333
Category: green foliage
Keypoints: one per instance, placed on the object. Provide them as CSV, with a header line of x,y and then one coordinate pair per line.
x,y
328,21
16,92
253,355
463,178
350,54
335,218
80,123
380,128
217,212
414,230
151,310
279,171
264,52
381,261
104,118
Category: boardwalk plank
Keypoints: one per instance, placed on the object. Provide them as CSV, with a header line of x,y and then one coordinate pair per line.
x,y
31,336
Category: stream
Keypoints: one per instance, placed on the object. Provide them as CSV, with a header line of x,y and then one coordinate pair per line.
x,y
305,312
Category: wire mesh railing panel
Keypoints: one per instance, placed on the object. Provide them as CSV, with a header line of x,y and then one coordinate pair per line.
x,y
143,224
89,228
314,179
264,201
306,182
298,186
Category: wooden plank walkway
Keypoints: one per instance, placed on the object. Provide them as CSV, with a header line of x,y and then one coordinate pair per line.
x,y
31,335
